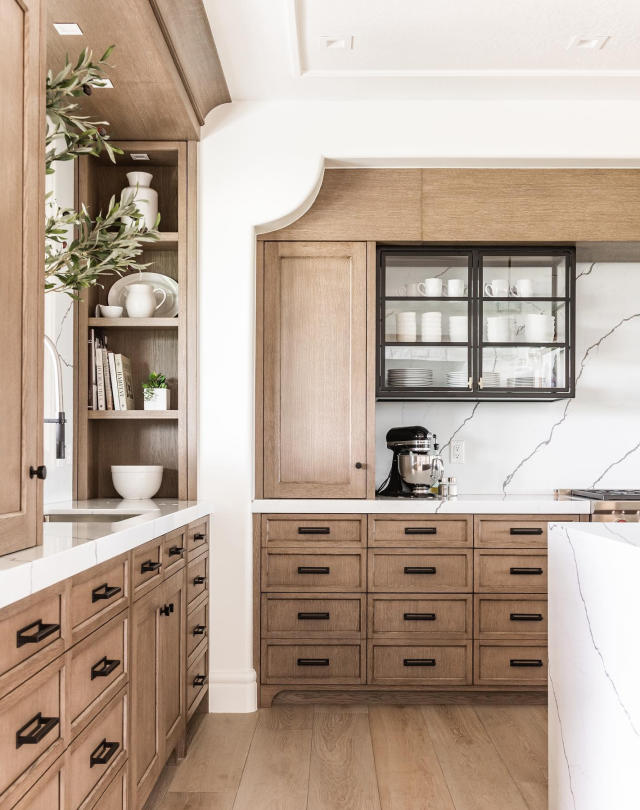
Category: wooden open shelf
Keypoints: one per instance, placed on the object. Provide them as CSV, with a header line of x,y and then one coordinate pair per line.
x,y
165,345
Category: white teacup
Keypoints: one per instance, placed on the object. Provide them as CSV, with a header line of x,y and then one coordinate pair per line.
x,y
455,287
497,288
523,288
431,287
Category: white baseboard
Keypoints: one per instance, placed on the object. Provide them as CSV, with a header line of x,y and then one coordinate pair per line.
x,y
233,691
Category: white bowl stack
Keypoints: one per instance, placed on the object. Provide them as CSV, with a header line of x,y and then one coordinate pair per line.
x,y
458,328
431,324
406,327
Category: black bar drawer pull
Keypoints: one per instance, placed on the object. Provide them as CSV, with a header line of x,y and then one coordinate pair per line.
x,y
310,616
200,680
526,617
174,551
419,569
199,580
314,530
150,565
41,631
166,610
43,725
522,530
419,617
103,753
104,592
419,662
199,630
104,667
313,662
314,569
199,536
526,571
525,662
421,530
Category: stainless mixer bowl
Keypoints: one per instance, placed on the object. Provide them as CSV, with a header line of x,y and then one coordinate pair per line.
x,y
417,468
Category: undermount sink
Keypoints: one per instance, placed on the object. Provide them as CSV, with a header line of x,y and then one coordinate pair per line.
x,y
87,517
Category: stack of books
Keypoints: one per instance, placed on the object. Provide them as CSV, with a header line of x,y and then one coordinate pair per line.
x,y
110,380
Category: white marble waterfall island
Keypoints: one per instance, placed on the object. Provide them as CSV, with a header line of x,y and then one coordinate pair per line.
x,y
594,666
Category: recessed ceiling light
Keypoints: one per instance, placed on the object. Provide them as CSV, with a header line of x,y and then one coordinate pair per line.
x,y
68,29
338,42
103,84
587,43
139,156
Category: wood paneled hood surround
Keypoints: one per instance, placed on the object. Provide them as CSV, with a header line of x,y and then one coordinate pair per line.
x,y
166,71
473,205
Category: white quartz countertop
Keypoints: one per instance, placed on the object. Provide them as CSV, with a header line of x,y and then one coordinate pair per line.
x,y
626,533
69,548
545,504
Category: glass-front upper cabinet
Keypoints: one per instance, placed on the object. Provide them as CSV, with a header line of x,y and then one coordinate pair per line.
x,y
475,323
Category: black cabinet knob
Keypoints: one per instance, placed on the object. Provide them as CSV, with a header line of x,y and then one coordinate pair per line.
x,y
38,472
359,465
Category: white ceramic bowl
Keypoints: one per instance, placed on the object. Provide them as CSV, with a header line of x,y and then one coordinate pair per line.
x,y
135,482
111,311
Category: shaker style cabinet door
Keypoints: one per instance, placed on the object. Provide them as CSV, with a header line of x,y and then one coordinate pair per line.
x,y
21,297
314,356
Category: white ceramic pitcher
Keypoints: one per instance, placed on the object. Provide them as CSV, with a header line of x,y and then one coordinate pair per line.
x,y
141,300
145,197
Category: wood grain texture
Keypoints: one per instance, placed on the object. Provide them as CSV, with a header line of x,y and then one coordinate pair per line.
x,y
339,662
400,530
450,571
494,662
387,662
494,616
371,369
409,774
362,204
289,570
342,772
530,205
506,531
298,530
493,571
291,615
442,616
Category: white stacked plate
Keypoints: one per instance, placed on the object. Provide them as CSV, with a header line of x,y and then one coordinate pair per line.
x,y
457,379
490,379
521,382
409,377
431,327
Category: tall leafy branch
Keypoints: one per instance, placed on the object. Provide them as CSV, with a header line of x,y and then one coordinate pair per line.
x,y
110,243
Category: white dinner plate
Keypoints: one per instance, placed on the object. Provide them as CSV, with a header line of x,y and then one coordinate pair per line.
x,y
169,308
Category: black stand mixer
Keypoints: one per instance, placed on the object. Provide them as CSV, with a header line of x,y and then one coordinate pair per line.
x,y
416,466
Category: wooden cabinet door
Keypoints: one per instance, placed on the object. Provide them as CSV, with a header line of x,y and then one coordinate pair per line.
x,y
145,743
173,657
21,300
314,355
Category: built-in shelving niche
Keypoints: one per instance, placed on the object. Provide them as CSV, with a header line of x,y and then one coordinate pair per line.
x,y
153,344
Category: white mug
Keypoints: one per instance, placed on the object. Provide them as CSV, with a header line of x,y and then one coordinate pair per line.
x,y
431,287
141,300
455,287
539,328
523,288
498,329
497,288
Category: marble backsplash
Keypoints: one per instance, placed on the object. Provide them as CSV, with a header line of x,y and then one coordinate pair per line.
x,y
592,440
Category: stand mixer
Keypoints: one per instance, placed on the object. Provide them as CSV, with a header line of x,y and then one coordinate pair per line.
x,y
416,466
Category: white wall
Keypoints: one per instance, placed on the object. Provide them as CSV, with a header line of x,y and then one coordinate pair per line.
x,y
260,167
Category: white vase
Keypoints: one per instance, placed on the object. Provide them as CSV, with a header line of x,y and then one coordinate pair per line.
x,y
145,197
141,300
156,399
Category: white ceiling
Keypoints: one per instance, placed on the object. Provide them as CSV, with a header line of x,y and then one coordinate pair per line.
x,y
276,49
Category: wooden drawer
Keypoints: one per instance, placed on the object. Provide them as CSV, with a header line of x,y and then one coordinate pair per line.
x,y
99,594
329,570
174,551
197,681
198,536
297,616
32,730
436,616
30,636
509,663
115,794
146,567
197,626
407,570
318,530
98,753
98,669
508,616
197,577
434,664
285,662
519,531
510,572
420,530
48,792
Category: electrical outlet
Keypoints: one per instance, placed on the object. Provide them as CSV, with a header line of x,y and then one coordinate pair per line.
x,y
456,452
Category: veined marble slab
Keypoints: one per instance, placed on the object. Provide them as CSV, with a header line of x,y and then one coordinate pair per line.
x,y
594,664
69,548
545,504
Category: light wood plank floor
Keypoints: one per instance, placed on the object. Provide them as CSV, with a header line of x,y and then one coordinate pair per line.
x,y
363,758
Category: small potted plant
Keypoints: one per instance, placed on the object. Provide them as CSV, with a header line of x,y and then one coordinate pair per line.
x,y
156,392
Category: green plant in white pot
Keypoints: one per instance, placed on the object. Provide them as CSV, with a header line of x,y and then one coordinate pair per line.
x,y
156,392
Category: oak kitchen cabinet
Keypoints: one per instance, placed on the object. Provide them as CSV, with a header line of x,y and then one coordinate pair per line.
x,y
21,218
314,350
